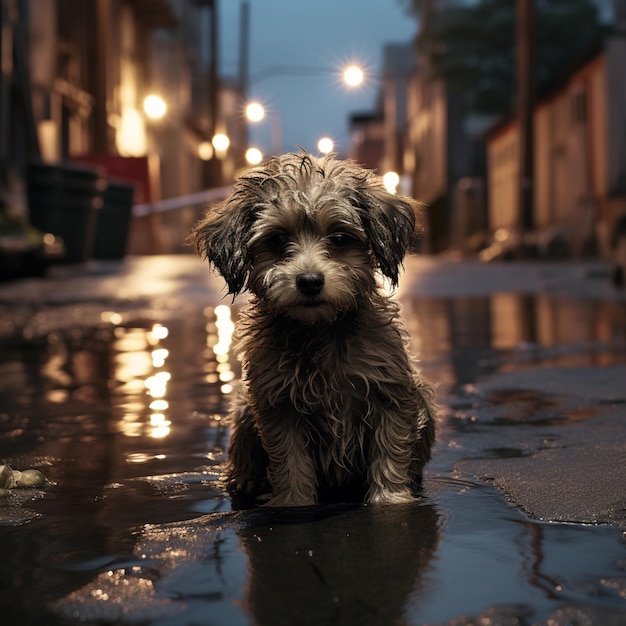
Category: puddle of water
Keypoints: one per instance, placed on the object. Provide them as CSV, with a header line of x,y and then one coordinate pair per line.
x,y
460,340
125,417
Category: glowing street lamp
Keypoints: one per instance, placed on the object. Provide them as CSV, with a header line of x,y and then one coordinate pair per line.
x,y
255,112
154,106
353,76
205,150
253,156
325,145
220,142
391,180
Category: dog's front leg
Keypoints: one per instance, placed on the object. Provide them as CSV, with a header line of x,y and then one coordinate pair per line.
x,y
390,460
291,470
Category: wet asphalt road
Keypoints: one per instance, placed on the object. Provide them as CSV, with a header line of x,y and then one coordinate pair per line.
x,y
549,420
530,359
561,326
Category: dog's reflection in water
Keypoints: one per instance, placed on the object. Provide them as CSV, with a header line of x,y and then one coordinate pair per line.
x,y
354,566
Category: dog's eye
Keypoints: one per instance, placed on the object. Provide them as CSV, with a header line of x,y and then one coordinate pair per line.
x,y
339,240
278,242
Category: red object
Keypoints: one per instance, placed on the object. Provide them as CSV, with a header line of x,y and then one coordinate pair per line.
x,y
142,172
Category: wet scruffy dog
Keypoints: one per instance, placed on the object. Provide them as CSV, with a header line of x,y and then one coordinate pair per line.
x,y
332,406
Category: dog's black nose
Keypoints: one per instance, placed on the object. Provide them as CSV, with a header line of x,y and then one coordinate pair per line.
x,y
310,283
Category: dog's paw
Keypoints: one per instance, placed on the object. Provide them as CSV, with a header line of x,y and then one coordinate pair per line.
x,y
383,496
246,486
290,499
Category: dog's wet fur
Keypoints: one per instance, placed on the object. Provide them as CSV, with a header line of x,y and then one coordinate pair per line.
x,y
332,406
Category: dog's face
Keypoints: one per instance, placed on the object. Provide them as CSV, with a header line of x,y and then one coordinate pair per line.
x,y
307,235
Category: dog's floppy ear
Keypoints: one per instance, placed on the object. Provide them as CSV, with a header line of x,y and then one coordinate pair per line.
x,y
391,225
221,237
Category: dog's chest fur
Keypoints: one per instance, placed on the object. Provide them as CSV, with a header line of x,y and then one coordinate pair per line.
x,y
330,379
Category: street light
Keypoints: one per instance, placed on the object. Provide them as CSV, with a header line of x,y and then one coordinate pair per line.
x,y
154,106
391,180
253,156
205,150
220,142
353,76
325,145
255,112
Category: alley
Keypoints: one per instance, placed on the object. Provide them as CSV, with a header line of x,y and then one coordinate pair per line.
x,y
115,380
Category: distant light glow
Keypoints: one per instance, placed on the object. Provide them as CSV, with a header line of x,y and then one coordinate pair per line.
x,y
255,112
159,356
157,332
154,107
353,76
221,142
157,384
111,317
205,150
325,145
225,329
130,136
254,156
391,180
221,349
159,425
501,235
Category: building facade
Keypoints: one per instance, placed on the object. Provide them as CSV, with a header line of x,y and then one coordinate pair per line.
x,y
579,159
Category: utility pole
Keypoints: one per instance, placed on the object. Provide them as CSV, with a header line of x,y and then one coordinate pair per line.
x,y
244,59
102,35
6,77
525,106
214,166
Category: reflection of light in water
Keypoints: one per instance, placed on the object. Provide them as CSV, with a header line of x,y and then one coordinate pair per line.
x,y
157,384
130,426
157,333
159,405
130,339
227,376
138,368
111,317
133,365
225,329
142,457
137,457
158,357
160,426
57,395
221,344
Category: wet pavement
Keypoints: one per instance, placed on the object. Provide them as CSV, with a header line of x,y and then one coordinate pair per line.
x,y
115,380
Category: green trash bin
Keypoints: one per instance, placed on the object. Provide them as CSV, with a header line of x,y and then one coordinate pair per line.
x,y
64,200
113,224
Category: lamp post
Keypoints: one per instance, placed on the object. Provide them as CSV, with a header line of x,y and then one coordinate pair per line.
x,y
525,89
154,106
253,156
256,112
353,76
325,145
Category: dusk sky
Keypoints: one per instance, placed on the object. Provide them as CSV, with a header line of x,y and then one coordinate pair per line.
x,y
323,35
